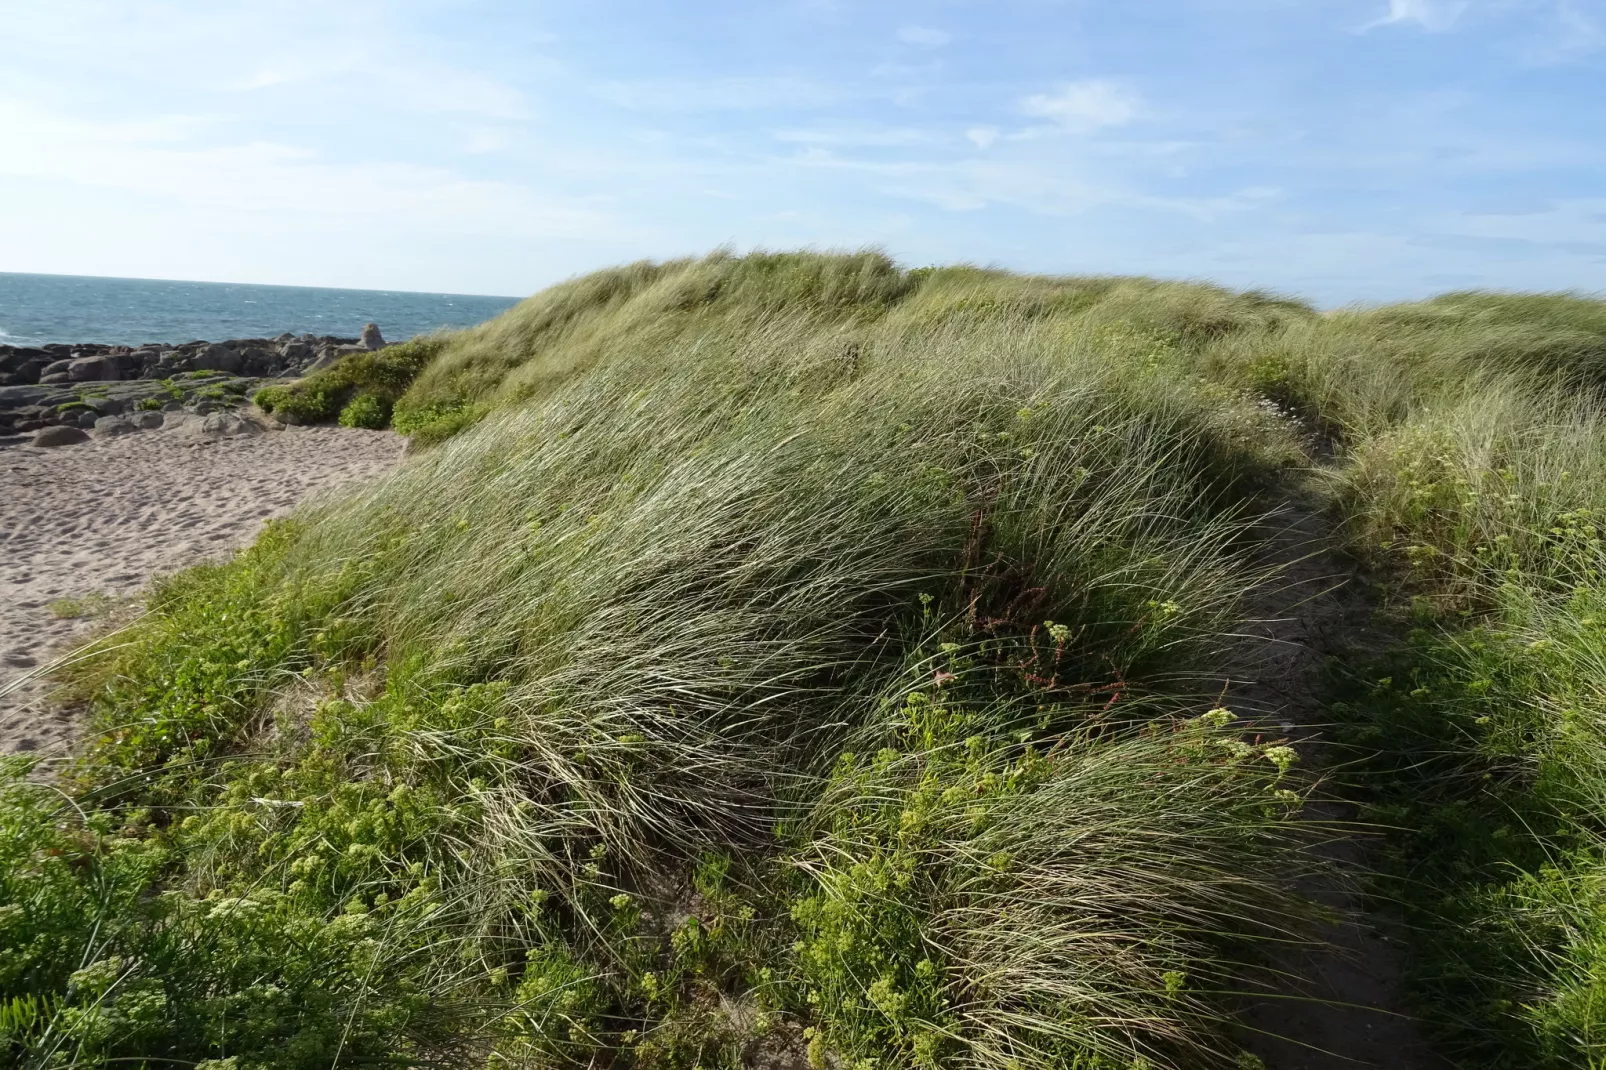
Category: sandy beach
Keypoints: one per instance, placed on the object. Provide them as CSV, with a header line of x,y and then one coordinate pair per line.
x,y
93,522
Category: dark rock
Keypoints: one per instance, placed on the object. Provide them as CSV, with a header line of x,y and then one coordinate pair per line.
x,y
13,397
255,360
59,436
148,421
58,377
55,367
218,358
82,419
111,426
326,357
93,369
227,423
107,406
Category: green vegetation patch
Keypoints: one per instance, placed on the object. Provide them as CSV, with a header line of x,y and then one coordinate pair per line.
x,y
371,381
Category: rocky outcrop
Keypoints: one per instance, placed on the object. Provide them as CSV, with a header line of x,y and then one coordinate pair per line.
x,y
287,356
63,391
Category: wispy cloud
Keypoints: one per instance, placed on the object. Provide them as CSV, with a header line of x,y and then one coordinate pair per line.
x,y
275,180
1576,29
720,94
1435,15
924,36
1085,106
860,137
983,136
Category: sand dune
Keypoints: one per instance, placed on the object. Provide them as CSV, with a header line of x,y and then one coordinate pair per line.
x,y
100,518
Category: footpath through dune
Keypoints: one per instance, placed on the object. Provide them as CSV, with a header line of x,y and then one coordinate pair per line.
x,y
87,525
1339,1005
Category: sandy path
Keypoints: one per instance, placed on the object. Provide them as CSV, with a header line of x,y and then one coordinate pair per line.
x,y
1340,1005
100,518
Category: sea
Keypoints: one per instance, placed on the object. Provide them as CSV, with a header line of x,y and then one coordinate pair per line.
x,y
40,309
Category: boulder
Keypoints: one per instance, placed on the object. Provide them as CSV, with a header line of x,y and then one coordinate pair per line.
x,y
217,358
111,426
56,367
211,427
57,377
148,421
254,360
227,423
107,406
85,418
371,338
325,359
59,436
93,369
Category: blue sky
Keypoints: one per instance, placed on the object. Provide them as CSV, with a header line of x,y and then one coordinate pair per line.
x,y
1341,150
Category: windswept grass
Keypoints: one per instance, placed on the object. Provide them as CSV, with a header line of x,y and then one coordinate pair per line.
x,y
792,658
731,694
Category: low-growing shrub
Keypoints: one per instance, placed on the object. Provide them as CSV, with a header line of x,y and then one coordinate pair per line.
x,y
366,410
382,376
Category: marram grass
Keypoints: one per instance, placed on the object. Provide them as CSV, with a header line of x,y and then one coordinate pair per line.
x,y
793,658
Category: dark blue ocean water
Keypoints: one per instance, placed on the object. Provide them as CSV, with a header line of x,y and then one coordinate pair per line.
x,y
38,309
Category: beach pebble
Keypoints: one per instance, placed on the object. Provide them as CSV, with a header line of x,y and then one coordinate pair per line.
x,y
59,436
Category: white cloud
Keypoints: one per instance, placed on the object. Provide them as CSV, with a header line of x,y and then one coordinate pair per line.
x,y
271,179
1082,107
924,36
1436,15
982,136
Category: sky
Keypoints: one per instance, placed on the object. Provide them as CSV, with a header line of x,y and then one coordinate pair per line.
x,y
1337,150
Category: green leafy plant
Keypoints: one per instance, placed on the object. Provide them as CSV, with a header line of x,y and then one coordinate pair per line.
x,y
365,410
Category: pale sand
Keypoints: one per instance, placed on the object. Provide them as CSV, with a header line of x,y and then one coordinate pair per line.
x,y
102,517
